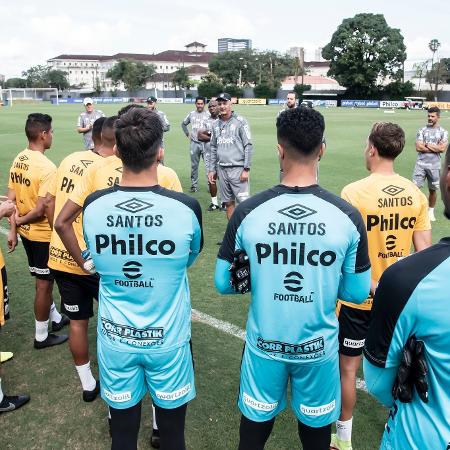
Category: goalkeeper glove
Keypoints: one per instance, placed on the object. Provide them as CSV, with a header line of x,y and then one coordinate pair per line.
x,y
88,264
240,272
412,372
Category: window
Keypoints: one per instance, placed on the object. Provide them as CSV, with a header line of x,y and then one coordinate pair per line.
x,y
81,72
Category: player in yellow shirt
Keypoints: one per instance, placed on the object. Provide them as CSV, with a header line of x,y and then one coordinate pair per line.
x,y
395,212
30,172
77,288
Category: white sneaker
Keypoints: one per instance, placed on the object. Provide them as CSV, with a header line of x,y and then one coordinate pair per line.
x,y
431,216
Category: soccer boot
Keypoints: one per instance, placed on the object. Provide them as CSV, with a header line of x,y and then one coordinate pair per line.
x,y
13,402
213,207
6,356
90,396
57,326
155,441
193,189
50,341
339,444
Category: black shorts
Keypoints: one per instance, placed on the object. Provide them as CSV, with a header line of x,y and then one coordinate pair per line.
x,y
353,327
77,294
37,253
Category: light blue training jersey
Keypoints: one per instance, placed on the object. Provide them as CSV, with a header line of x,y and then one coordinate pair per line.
x,y
306,247
413,298
142,240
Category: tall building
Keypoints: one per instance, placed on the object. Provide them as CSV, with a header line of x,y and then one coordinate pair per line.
x,y
318,54
233,45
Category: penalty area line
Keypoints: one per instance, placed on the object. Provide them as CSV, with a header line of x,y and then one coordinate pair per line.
x,y
233,330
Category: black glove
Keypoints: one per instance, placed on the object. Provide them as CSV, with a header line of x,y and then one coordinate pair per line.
x,y
240,272
412,372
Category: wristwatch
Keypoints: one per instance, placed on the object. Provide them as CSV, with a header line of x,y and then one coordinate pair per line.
x,y
247,169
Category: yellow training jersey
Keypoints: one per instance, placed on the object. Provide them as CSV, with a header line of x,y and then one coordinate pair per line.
x,y
69,175
393,208
28,177
106,173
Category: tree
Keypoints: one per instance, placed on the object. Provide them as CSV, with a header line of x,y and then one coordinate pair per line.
x,y
265,90
397,90
210,86
181,79
57,79
15,83
433,75
364,51
420,70
36,76
134,75
233,90
299,89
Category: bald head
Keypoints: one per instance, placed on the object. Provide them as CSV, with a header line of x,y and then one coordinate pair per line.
x,y
108,134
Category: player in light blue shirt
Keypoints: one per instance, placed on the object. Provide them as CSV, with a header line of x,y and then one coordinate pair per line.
x,y
412,299
142,238
306,247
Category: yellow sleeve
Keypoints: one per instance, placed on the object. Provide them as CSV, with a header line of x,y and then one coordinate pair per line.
x,y
83,189
50,186
10,183
346,194
423,219
176,184
44,181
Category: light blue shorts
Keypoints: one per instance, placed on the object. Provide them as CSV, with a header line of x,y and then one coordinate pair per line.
x,y
126,377
315,389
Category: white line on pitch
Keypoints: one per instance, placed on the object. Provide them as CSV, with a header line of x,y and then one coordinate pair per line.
x,y
233,330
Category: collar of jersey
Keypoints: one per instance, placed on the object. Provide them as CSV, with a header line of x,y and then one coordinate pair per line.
x,y
153,188
295,189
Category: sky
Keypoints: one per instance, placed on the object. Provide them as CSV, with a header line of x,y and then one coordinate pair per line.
x,y
31,32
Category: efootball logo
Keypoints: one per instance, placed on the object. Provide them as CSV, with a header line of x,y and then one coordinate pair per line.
x,y
391,242
293,281
132,270
392,190
134,205
297,211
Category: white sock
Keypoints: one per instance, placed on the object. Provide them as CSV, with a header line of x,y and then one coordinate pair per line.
x,y
214,201
431,210
55,316
41,330
87,379
1,392
344,429
155,427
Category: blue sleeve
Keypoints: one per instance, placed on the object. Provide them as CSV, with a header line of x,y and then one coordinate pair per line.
x,y
354,287
379,382
197,239
222,277
357,256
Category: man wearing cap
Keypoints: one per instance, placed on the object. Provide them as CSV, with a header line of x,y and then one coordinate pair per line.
x,y
86,122
197,119
151,104
231,155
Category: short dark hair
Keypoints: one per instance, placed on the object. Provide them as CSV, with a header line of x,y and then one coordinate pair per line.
x,y
200,98
37,123
300,131
292,92
125,109
108,136
97,130
388,138
434,109
139,135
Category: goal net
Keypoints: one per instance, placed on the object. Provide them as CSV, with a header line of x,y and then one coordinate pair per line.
x,y
9,97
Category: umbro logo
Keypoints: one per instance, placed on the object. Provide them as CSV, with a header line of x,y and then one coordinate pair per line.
x,y
86,162
134,205
297,211
132,270
119,169
293,281
391,242
392,190
23,158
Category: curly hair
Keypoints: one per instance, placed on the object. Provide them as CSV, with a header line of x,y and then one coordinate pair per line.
x,y
300,130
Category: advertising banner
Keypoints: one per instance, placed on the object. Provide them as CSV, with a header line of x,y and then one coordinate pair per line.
x,y
360,103
326,103
440,105
252,101
170,100
392,104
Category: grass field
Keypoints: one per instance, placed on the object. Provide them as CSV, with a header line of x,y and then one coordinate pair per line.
x,y
56,417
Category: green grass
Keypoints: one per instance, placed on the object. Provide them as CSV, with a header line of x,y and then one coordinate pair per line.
x,y
56,417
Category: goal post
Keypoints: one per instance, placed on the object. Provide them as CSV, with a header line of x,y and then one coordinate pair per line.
x,y
10,96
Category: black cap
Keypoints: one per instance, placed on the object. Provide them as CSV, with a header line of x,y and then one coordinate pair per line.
x,y
224,96
152,100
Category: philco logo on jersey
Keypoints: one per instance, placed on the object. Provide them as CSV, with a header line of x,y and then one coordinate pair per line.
x,y
297,254
134,245
134,205
297,211
292,281
394,201
18,178
305,350
389,223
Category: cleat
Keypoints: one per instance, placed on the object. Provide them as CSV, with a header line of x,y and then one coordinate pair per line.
x,y
213,207
155,441
338,444
193,189
90,396
57,326
50,341
6,356
13,402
